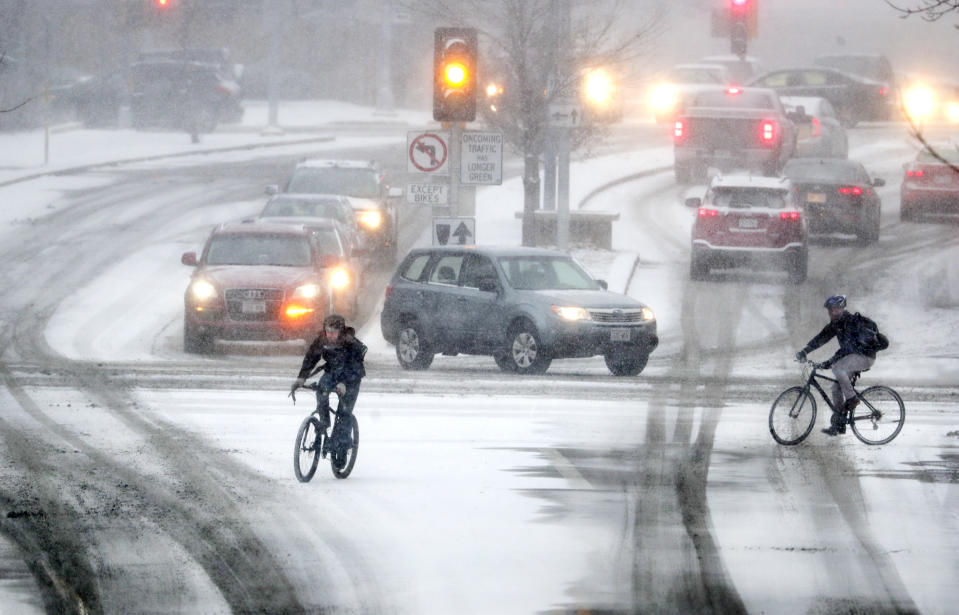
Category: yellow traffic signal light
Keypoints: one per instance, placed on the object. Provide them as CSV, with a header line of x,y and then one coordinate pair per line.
x,y
454,75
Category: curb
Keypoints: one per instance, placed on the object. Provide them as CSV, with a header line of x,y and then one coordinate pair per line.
x,y
216,150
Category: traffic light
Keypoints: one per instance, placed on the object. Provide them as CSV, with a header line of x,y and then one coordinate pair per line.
x,y
732,17
454,75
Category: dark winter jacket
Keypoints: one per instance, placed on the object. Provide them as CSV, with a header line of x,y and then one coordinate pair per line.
x,y
846,331
344,361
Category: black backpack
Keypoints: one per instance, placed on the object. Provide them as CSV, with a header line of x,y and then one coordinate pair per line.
x,y
868,337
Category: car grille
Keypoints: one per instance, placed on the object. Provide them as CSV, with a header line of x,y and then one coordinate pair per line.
x,y
270,299
616,315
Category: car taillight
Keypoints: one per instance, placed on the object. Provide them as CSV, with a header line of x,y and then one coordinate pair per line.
x,y
767,132
679,130
733,90
789,215
816,129
705,212
915,173
883,90
389,291
850,190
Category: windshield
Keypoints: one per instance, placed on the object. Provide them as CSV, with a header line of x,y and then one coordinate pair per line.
x,y
312,209
749,100
352,182
747,197
327,242
285,251
545,273
817,172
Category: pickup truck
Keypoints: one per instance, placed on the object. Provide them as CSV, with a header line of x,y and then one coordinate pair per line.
x,y
732,128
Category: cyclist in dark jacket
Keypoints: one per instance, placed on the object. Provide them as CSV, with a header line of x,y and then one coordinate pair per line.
x,y
850,358
343,355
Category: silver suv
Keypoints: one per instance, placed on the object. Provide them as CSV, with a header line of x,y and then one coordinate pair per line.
x,y
523,306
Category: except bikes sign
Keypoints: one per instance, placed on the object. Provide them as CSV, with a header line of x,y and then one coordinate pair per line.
x,y
427,152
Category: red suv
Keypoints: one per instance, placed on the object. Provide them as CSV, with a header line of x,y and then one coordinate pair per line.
x,y
930,185
748,220
254,282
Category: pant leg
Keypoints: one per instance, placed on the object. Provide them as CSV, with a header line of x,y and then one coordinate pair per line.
x,y
843,370
323,391
342,431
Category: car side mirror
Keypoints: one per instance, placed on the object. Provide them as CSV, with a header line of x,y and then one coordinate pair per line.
x,y
878,181
693,202
603,284
328,260
396,192
272,189
189,258
489,285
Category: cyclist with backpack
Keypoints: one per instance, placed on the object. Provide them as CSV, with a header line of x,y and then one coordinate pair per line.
x,y
859,339
343,356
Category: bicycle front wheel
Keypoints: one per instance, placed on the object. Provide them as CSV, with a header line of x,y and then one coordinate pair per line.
x,y
342,461
306,449
879,416
792,416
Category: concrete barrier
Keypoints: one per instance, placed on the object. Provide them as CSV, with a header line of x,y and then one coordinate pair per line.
x,y
592,229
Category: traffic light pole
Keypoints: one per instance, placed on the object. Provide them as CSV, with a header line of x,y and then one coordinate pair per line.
x,y
456,139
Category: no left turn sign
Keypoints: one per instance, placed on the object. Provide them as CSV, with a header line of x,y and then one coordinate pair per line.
x,y
427,152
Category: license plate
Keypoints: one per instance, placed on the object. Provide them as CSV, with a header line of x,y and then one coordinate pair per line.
x,y
816,197
619,335
749,223
254,307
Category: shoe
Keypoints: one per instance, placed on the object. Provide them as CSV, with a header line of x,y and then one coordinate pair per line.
x,y
851,404
339,461
833,430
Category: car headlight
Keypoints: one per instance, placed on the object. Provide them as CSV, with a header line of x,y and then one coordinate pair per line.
x,y
663,97
371,219
647,314
307,291
339,278
202,290
952,112
571,313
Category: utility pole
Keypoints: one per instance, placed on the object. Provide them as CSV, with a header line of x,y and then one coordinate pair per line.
x,y
566,69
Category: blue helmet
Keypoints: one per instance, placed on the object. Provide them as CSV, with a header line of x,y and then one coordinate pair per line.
x,y
836,301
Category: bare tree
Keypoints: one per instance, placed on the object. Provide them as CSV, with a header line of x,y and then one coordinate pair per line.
x,y
3,57
930,10
536,50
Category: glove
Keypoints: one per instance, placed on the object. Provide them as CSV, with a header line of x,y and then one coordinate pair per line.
x,y
801,356
825,364
341,389
296,384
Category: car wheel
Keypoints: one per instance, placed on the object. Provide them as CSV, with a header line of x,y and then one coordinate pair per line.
x,y
906,214
411,349
798,267
698,268
525,351
869,233
196,342
626,363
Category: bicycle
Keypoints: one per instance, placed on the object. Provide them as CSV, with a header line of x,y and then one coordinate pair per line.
x,y
313,442
876,420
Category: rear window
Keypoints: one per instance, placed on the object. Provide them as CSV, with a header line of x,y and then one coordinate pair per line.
x,y
697,75
311,209
817,172
363,183
284,251
951,155
742,198
742,100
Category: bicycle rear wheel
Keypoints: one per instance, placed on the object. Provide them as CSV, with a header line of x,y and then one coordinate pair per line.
x,y
792,416
879,416
342,462
306,449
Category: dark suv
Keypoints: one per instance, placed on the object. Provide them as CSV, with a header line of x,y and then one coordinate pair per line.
x,y
182,95
370,195
523,306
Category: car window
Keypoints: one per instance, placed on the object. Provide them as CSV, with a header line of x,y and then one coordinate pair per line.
x,y
363,183
476,268
312,209
287,251
775,80
545,273
447,269
805,172
328,241
814,77
742,198
414,268
952,155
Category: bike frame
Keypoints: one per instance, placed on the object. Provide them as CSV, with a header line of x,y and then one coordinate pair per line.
x,y
813,382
